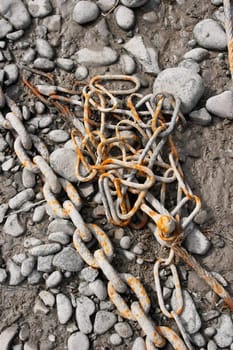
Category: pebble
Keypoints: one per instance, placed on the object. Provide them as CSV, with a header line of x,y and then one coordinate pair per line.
x,y
224,335
123,329
68,259
106,305
125,242
61,225
124,17
198,340
211,345
182,82
134,3
138,249
64,308
217,2
14,272
27,266
128,64
96,58
28,178
106,5
58,136
115,339
59,237
45,249
3,143
190,64
209,332
22,197
81,73
63,162
65,63
34,278
54,279
198,54
39,214
139,344
195,242
29,56
44,64
15,11
53,23
8,164
11,73
98,287
42,121
104,320
31,242
147,56
24,332
5,28
15,35
40,308
39,8
47,298
7,336
210,35
3,210
200,117
85,12
13,226
85,308
88,274
44,49
221,105
189,317
78,341
84,289
3,275
219,16
19,258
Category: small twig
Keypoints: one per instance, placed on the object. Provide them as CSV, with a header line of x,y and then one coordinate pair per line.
x,y
30,206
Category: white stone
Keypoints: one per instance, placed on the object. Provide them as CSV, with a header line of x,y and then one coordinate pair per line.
x,y
210,35
39,8
224,335
125,17
104,56
85,12
133,3
16,12
64,308
7,335
78,341
221,105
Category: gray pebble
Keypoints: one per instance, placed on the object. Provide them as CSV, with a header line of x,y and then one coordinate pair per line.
x,y
81,73
3,275
198,54
27,266
106,5
44,49
125,242
39,8
31,242
13,226
22,197
167,292
45,249
88,274
8,164
224,335
29,56
182,82
58,136
85,12
115,339
84,289
106,305
5,28
19,258
39,214
98,287
78,341
96,58
123,329
128,64
217,2
40,308
54,279
209,332
212,345
221,105
47,298
139,344
16,12
104,320
11,73
85,308
198,340
15,35
7,336
42,121
124,17
44,64
24,332
28,178
200,117
39,107
53,23
68,259
195,242
34,278
65,63
64,308
63,162
61,225
190,64
3,209
210,35
14,272
133,3
59,237
138,249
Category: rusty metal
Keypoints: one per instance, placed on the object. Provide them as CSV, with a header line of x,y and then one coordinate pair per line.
x,y
229,32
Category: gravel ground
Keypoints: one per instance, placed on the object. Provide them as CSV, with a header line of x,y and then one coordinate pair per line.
x,y
49,299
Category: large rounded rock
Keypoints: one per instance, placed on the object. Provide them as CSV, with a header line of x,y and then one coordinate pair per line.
x,y
85,12
183,83
125,17
16,13
133,3
221,105
63,163
210,35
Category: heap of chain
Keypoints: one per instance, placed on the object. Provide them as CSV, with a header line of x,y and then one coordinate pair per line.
x,y
123,143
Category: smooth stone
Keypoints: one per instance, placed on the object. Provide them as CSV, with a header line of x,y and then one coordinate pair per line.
x,y
54,279
115,339
13,226
27,266
28,178
139,344
11,73
200,117
65,64
44,64
39,8
42,121
84,289
198,340
24,333
195,242
209,332
39,214
53,23
29,56
125,17
78,341
7,336
104,320
210,315
190,64
63,162
44,49
123,329
99,289
68,260
61,225
31,242
3,275
85,12
15,11
96,58
20,198
134,3
128,64
81,73
183,83
19,258
59,237
8,164
88,274
210,35
125,242
15,35
5,28
85,308
106,5
15,273
47,297
190,318
45,249
197,54
219,16
224,335
64,308
217,2
147,56
3,210
221,105
34,278
40,308
58,136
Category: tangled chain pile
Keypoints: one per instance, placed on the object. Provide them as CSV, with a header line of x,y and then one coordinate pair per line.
x,y
124,144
